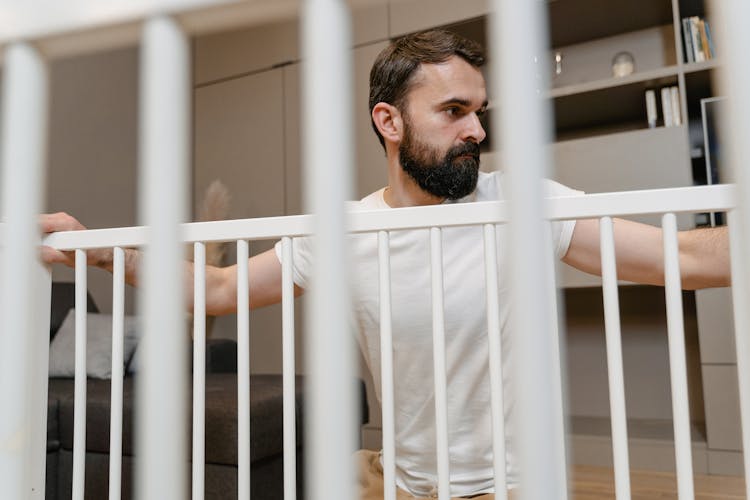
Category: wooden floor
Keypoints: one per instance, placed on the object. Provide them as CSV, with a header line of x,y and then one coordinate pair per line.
x,y
597,483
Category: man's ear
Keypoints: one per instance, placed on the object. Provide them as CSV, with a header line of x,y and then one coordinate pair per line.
x,y
387,119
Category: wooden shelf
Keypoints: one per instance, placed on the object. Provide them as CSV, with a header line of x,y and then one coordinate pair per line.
x,y
701,66
640,77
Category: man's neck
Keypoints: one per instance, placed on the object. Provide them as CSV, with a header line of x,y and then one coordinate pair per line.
x,y
395,196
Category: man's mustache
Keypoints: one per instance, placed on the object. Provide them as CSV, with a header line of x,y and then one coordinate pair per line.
x,y
466,149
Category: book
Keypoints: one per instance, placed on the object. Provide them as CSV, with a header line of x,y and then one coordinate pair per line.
x,y
696,39
710,40
651,111
674,94
704,39
666,106
687,36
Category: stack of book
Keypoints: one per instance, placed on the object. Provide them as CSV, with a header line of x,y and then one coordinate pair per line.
x,y
670,107
699,45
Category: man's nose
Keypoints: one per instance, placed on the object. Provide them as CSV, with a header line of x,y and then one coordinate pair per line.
x,y
474,130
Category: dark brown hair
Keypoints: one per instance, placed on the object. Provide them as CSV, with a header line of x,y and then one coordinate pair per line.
x,y
392,74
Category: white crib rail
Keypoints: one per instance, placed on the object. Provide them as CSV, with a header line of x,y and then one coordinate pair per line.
x,y
160,471
669,201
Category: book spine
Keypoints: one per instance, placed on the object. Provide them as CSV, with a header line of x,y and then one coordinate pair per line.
x,y
697,49
674,93
687,36
666,106
710,40
651,111
704,39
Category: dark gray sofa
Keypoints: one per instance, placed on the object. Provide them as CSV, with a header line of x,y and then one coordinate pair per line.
x,y
221,437
221,429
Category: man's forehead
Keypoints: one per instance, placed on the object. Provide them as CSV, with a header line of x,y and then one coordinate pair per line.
x,y
452,76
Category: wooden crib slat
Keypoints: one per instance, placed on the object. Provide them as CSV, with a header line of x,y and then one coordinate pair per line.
x,y
79,410
243,372
386,368
23,388
496,362
288,368
438,349
677,362
161,392
116,398
199,370
614,359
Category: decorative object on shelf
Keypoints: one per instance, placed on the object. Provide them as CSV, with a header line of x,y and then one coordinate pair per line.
x,y
651,111
623,64
558,63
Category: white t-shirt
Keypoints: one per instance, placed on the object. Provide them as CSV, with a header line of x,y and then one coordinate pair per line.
x,y
469,413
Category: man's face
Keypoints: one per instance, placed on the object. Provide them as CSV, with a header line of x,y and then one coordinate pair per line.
x,y
439,148
451,174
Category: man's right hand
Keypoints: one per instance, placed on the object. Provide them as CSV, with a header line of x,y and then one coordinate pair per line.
x,y
52,223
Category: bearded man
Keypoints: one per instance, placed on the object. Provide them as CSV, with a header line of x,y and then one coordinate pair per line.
x,y
427,95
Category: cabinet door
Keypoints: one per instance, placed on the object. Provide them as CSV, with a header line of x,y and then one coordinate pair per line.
x,y
239,139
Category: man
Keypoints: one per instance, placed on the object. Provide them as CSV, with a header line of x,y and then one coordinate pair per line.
x,y
426,97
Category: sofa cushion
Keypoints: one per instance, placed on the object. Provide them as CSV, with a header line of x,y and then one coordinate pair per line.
x,y
53,419
266,411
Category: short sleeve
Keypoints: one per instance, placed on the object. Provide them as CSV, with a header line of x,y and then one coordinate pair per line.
x,y
562,231
301,259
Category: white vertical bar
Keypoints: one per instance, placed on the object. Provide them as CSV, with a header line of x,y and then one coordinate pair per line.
x,y
614,360
288,369
386,368
243,372
23,147
39,366
556,353
79,407
519,42
161,470
199,369
740,297
326,41
438,349
118,368
677,363
496,362
733,38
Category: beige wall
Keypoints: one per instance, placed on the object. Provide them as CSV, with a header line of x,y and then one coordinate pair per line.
x,y
93,148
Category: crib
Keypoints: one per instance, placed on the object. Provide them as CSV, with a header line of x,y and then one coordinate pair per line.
x,y
163,27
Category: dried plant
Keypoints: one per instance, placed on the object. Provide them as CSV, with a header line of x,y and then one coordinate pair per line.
x,y
215,206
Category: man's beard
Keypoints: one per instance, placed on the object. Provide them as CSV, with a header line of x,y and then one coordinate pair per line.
x,y
453,176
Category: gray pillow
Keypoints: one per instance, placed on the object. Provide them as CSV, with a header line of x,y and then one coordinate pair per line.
x,y
98,348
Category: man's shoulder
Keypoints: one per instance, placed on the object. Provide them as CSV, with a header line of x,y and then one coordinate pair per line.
x,y
490,187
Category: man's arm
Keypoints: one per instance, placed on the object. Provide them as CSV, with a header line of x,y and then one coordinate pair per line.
x,y
264,271
704,253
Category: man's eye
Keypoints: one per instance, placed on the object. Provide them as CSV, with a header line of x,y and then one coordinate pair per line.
x,y
482,112
452,111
